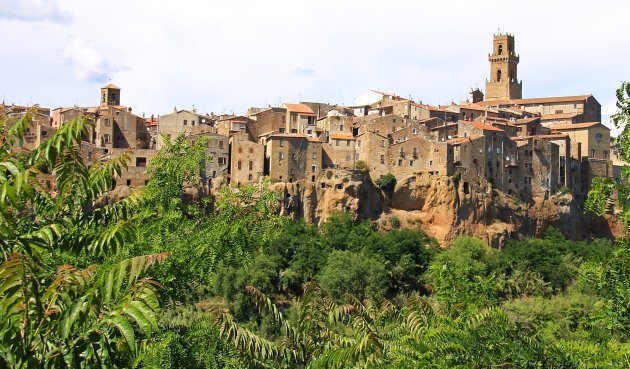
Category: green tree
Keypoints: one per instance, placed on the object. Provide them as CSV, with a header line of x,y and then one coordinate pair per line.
x,y
464,277
364,275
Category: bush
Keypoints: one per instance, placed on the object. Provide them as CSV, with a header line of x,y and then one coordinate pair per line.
x,y
395,222
360,274
387,182
362,166
329,174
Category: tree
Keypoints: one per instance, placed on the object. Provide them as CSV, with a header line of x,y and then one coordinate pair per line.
x,y
52,203
464,277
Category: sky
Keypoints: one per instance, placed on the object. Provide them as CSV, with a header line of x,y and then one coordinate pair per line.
x,y
223,56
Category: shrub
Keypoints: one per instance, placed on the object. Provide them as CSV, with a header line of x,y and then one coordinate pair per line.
x,y
395,222
329,174
361,166
387,182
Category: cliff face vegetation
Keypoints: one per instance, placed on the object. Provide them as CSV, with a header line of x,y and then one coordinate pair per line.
x,y
444,207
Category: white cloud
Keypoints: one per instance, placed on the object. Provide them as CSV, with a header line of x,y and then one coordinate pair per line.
x,y
88,63
33,10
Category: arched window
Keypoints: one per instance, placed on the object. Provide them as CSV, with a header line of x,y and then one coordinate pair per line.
x,y
499,75
500,49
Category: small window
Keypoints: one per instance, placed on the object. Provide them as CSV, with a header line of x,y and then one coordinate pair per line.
x,y
347,142
336,142
499,75
414,131
238,166
314,154
185,122
250,165
192,122
593,153
251,150
341,127
382,159
411,163
313,168
44,133
220,144
605,154
281,156
141,161
129,183
281,143
240,150
500,49
250,177
382,143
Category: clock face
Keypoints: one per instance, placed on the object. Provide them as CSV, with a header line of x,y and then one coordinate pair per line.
x,y
599,137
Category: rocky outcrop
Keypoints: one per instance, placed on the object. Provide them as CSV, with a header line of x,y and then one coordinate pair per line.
x,y
444,207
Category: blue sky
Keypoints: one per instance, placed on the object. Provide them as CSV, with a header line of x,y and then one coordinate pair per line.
x,y
226,55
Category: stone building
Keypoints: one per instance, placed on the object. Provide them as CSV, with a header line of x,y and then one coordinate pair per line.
x,y
180,122
299,119
246,160
291,157
267,121
339,151
373,149
594,149
503,83
217,156
418,154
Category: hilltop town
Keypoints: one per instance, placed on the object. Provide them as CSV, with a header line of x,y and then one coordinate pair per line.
x,y
522,147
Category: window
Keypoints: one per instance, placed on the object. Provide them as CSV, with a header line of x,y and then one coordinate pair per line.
x,y
192,122
106,138
238,166
185,122
240,150
281,156
106,122
281,143
250,177
382,159
220,144
251,150
222,160
414,131
313,168
399,162
499,75
314,154
250,165
347,142
341,128
500,49
411,163
431,163
382,143
605,154
44,133
336,142
593,153
141,161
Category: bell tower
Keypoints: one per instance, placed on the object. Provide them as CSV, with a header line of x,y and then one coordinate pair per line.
x,y
110,95
503,83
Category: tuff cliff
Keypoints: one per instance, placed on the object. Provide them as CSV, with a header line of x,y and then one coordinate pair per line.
x,y
444,207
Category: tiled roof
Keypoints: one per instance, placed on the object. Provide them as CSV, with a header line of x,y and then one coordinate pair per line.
x,y
299,108
566,127
109,85
460,140
550,136
299,135
536,100
486,127
342,136
558,116
525,121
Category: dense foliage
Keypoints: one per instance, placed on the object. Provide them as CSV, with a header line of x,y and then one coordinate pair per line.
x,y
168,278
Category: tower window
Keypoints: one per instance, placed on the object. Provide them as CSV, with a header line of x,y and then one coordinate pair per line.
x,y
500,49
499,75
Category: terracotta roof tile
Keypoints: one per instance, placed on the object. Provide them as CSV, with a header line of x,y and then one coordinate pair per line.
x,y
342,136
299,108
558,116
567,127
486,127
460,140
109,85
